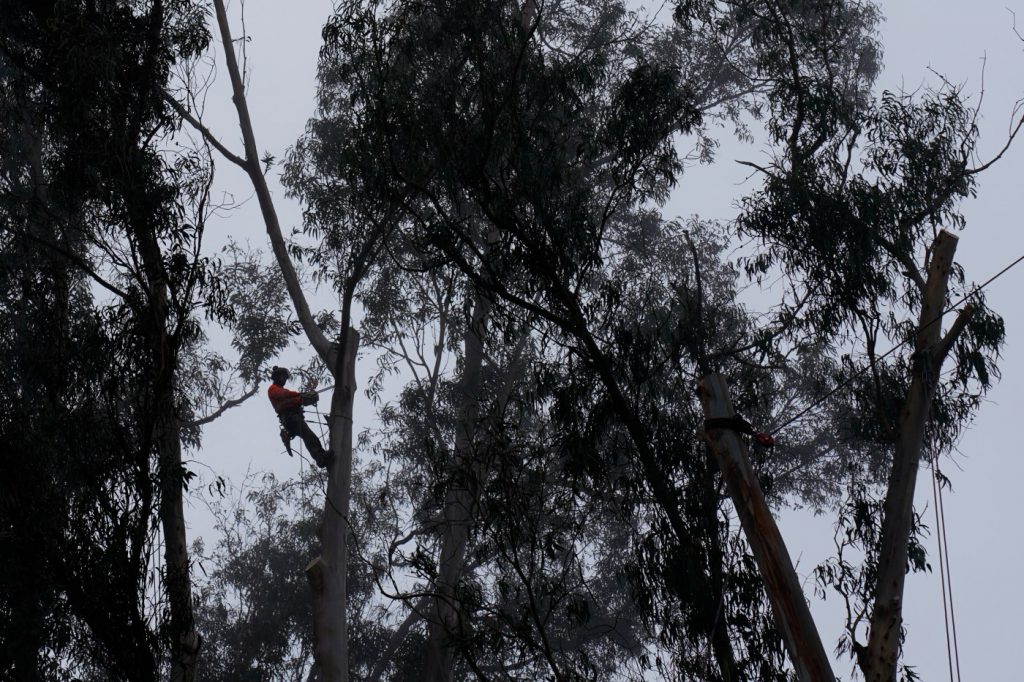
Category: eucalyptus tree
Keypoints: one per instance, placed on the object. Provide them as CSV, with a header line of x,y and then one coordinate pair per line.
x,y
349,261
627,72
77,499
513,138
252,606
94,199
858,221
514,145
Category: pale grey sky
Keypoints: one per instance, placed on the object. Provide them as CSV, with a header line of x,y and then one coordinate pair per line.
x,y
982,513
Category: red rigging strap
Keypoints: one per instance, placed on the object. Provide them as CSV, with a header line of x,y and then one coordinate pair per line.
x,y
740,425
287,440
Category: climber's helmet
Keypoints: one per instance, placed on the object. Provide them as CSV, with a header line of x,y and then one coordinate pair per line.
x,y
279,375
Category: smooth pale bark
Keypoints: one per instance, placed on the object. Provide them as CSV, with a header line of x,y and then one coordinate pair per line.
x,y
792,615
251,165
459,503
328,573
879,659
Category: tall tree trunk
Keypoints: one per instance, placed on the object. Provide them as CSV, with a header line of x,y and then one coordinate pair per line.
x,y
251,165
879,659
185,641
328,573
459,503
792,615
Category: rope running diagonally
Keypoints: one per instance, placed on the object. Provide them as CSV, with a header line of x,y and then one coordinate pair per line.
x,y
953,306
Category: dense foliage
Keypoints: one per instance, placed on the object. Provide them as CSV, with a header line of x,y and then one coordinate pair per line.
x,y
482,186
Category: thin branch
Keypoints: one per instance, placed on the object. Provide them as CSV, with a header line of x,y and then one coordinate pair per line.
x,y
756,167
223,408
327,352
397,637
943,347
904,260
80,263
1009,141
204,131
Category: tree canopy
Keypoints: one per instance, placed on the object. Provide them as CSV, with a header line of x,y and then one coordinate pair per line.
x,y
541,494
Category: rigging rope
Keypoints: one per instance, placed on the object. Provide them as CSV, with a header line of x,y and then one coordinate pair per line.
x,y
942,569
953,306
945,573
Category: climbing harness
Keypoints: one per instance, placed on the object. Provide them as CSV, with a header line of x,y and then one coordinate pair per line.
x,y
286,434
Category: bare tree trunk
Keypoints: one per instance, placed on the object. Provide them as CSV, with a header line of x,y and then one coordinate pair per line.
x,y
878,660
185,640
251,165
792,615
328,573
459,503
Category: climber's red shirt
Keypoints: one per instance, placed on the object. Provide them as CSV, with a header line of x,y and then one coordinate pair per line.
x,y
282,399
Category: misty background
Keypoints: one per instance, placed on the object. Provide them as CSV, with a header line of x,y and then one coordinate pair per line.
x,y
970,44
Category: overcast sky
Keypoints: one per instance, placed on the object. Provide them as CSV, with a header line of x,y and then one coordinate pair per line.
x,y
970,43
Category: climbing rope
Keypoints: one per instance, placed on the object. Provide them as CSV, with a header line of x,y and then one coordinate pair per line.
x,y
945,576
942,572
321,422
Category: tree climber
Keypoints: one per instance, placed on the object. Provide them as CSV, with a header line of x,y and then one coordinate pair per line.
x,y
288,405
